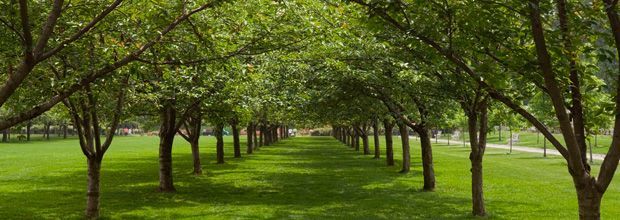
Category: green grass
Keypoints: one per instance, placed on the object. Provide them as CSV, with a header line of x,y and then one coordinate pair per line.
x,y
299,178
531,139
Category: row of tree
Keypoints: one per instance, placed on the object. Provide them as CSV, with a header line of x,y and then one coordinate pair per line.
x,y
423,65
349,64
171,65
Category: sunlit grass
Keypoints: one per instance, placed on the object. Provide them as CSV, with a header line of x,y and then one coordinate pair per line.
x,y
305,178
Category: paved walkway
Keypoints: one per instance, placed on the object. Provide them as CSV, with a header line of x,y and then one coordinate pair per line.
x,y
550,151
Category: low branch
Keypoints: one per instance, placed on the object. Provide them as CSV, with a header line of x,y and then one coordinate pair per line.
x,y
105,71
48,27
116,116
80,33
12,28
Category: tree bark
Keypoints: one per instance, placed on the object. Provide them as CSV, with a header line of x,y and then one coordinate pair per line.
x,y
28,127
349,137
236,144
356,139
478,208
404,136
477,124
274,129
88,129
427,160
261,140
92,201
192,126
5,135
375,132
576,108
574,157
249,139
167,131
266,135
364,134
64,131
219,145
343,135
366,144
196,156
589,200
389,143
46,131
256,142
286,131
500,132
194,142
510,139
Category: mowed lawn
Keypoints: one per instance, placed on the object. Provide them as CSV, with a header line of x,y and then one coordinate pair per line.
x,y
299,178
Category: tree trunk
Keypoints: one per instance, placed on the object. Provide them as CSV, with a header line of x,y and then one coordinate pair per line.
x,y
510,139
389,143
404,136
92,200
589,200
192,136
286,132
196,157
261,135
64,131
500,132
375,132
427,160
356,139
545,147
165,165
591,156
28,127
236,144
46,131
219,136
195,140
249,139
266,135
5,135
595,140
349,138
477,124
365,142
476,185
343,135
463,138
275,133
256,143
166,138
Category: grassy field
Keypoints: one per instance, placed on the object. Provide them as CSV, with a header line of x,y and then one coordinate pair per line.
x,y
299,178
531,139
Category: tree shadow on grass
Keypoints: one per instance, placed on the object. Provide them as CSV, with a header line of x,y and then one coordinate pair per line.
x,y
311,178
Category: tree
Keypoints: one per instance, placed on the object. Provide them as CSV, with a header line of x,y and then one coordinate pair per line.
x,y
88,109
